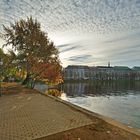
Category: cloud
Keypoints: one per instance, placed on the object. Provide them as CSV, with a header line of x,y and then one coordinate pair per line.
x,y
63,45
106,29
68,49
126,37
79,58
90,16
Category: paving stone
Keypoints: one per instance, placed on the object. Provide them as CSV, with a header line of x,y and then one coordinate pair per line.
x,y
30,116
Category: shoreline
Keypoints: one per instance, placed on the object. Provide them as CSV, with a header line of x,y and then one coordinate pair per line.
x,y
96,115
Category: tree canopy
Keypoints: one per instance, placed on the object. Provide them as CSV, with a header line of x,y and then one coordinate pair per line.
x,y
32,49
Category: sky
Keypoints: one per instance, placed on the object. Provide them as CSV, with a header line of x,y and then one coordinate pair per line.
x,y
86,32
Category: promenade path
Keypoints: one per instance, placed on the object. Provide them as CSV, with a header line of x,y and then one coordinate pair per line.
x,y
26,114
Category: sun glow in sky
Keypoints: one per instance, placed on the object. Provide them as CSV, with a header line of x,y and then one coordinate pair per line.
x,y
86,32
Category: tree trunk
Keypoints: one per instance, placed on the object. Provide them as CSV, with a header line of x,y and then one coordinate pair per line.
x,y
32,83
26,80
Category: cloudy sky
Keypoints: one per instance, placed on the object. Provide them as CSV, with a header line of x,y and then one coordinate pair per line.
x,y
86,32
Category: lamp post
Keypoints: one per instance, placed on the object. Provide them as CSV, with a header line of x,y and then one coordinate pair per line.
x,y
1,63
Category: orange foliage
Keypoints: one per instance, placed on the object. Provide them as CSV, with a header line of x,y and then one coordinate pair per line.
x,y
47,71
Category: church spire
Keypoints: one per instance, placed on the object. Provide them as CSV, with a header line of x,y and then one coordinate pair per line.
x,y
109,64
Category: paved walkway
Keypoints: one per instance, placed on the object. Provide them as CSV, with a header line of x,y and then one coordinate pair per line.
x,y
30,116
25,114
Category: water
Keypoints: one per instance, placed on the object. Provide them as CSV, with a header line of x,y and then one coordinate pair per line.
x,y
119,100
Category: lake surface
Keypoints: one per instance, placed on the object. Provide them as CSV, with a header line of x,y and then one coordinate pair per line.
x,y
119,100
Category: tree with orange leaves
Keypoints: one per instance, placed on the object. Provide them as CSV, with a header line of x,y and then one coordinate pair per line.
x,y
49,72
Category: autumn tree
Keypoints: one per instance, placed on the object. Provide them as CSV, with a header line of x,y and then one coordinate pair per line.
x,y
48,72
33,47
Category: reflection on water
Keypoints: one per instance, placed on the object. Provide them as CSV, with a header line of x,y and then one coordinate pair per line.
x,y
98,88
124,109
117,99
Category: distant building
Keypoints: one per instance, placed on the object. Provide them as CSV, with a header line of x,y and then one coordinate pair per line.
x,y
136,73
75,72
122,72
103,72
79,72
